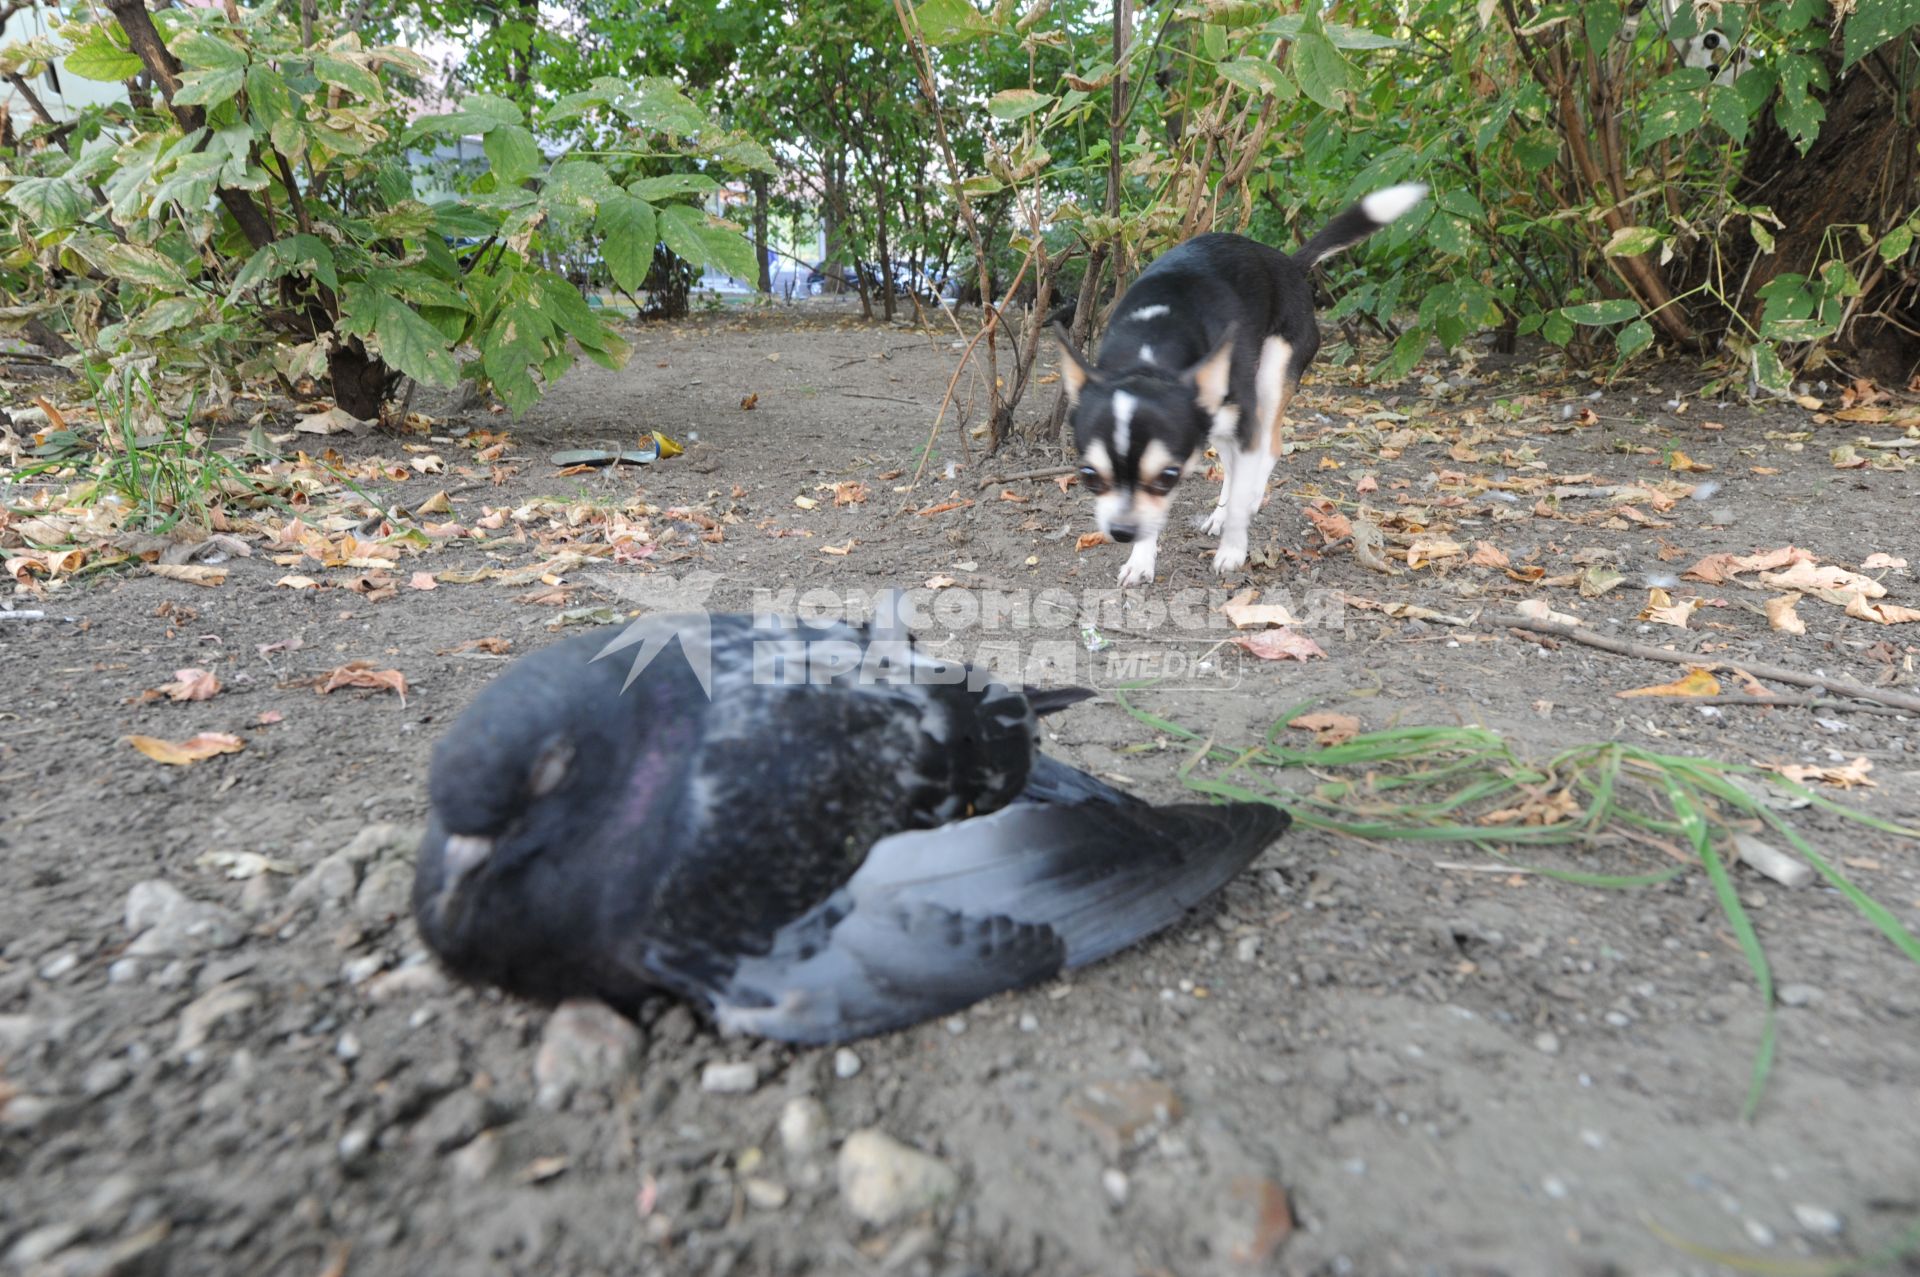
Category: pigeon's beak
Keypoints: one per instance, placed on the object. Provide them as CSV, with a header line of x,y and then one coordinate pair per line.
x,y
461,856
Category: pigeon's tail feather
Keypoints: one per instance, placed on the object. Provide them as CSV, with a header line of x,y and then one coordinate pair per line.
x,y
1049,700
1181,855
1052,781
1101,872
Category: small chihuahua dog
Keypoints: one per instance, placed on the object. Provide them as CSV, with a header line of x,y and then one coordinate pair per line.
x,y
1206,347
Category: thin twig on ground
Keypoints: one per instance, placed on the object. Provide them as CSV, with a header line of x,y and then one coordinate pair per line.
x,y
1045,472
1778,673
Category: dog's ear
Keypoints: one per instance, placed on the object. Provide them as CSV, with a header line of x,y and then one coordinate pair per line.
x,y
1209,377
1074,373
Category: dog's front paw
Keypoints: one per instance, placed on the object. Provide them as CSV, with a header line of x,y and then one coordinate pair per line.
x,y
1231,556
1137,570
1214,524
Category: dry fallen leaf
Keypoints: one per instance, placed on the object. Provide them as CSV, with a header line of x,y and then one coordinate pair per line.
x,y
192,750
1698,682
1538,807
1883,613
1370,547
298,583
852,492
1781,616
1248,615
191,685
1488,555
1431,549
751,402
940,581
492,645
1065,481
284,645
1280,644
1881,560
1662,610
1328,522
1845,776
805,503
1539,610
1367,484
943,507
333,421
269,717
841,551
191,573
1682,462
362,674
422,581
1327,727
1090,539
1809,578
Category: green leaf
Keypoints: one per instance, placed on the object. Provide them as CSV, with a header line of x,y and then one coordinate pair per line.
x,y
627,232
1725,108
1634,338
1406,353
50,203
512,153
209,88
1878,22
654,189
1896,243
1761,234
741,152
1631,241
205,50
102,58
1321,70
268,97
1768,370
168,314
1612,311
454,218
580,184
412,345
141,265
688,233
1289,26
1557,329
497,109
407,219
350,76
1800,111
947,21
1258,77
659,105
1017,104
1671,116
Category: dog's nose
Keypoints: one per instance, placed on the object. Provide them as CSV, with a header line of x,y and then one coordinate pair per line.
x,y
1122,532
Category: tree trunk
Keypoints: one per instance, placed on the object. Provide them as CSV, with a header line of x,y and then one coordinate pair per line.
x,y
761,245
880,246
359,380
1861,169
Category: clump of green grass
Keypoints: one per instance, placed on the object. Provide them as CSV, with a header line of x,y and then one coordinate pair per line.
x,y
1440,784
164,479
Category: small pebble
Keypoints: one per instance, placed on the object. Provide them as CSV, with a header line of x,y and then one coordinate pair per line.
x,y
1029,1022
803,1127
354,1144
1757,1232
740,1078
1593,1139
1115,1182
1817,1219
59,965
765,1194
1555,1187
845,1064
956,1025
1799,995
1547,1044
360,970
1618,1019
347,1048
1247,949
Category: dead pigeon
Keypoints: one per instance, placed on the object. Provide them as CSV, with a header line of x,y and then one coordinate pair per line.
x,y
814,832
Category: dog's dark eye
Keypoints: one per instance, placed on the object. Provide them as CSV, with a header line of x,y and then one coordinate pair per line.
x,y
1091,478
1163,484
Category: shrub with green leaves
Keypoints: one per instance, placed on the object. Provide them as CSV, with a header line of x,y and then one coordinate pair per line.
x,y
258,216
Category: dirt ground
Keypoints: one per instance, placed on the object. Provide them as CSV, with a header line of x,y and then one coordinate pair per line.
x,y
1427,1067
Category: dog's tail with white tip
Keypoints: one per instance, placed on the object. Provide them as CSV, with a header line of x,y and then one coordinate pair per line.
x,y
1378,210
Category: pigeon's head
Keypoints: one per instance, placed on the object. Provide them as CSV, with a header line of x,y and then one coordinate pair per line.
x,y
511,784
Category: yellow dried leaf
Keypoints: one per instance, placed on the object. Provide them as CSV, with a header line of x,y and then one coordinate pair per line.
x,y
192,750
1698,682
191,573
1248,615
1327,727
298,583
1538,610
1781,616
1662,610
1883,613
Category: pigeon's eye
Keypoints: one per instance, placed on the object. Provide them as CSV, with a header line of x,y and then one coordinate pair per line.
x,y
1091,478
1163,483
550,769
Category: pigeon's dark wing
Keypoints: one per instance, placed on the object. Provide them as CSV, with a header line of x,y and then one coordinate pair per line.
x,y
936,920
818,742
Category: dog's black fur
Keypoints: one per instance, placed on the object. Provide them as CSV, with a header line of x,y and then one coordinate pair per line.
x,y
1208,344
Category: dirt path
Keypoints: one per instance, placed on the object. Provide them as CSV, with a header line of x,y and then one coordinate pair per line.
x,y
1431,1069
